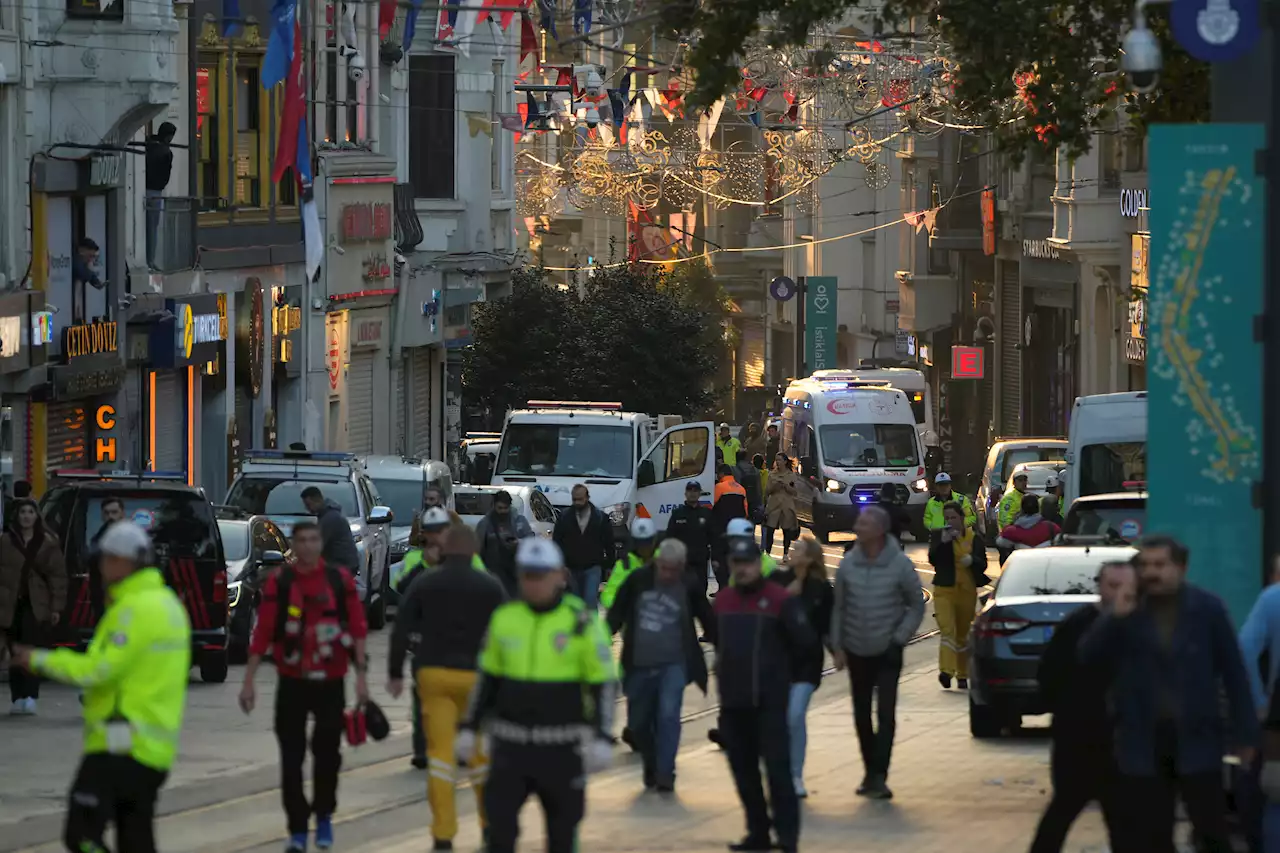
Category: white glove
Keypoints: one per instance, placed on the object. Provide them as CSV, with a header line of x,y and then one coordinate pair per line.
x,y
464,747
948,534
1271,780
966,561
597,755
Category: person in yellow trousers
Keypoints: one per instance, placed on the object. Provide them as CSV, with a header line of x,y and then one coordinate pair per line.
x,y
134,678
443,617
959,559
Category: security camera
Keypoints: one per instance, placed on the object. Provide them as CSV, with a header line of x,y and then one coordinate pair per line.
x,y
355,61
1141,60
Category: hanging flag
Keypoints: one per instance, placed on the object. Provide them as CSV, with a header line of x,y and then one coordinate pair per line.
x,y
531,111
279,59
582,16
547,17
410,25
528,40
485,9
478,123
293,110
447,21
504,19
513,122
386,18
230,18
464,26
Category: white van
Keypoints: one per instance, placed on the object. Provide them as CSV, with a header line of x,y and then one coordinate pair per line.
x,y
913,383
851,439
1106,445
633,464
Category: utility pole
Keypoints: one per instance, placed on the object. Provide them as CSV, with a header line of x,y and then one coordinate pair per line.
x,y
802,290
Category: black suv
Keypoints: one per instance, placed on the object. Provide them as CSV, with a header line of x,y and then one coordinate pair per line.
x,y
188,550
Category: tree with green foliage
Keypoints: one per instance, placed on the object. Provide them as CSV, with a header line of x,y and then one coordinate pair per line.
x,y
1039,74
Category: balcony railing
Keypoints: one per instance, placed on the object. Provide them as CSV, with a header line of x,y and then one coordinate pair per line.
x,y
171,233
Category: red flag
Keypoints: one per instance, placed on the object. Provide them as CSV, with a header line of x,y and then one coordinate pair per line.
x,y
386,17
528,38
484,11
295,104
504,19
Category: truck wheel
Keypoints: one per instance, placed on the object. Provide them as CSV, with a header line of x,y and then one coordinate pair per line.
x,y
376,611
213,667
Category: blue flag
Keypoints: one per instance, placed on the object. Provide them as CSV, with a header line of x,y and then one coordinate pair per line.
x,y
230,18
280,46
547,17
411,24
582,16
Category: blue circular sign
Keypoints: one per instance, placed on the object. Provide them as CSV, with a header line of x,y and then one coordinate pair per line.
x,y
1216,30
782,288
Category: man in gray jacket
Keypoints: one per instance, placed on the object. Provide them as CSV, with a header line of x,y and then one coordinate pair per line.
x,y
878,607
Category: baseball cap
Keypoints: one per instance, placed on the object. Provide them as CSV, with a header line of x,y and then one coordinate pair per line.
x,y
744,549
1051,482
693,486
125,539
740,527
724,426
536,554
942,477
435,518
642,528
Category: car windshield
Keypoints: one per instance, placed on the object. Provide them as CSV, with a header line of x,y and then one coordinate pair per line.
x,y
1037,476
181,524
403,496
567,450
283,496
235,540
1119,519
480,503
1052,577
1109,467
1015,457
869,445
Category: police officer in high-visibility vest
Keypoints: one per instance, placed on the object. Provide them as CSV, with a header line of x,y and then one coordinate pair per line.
x,y
545,695
643,534
741,528
134,678
943,495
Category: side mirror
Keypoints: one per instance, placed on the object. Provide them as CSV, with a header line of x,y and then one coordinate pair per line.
x,y
645,475
272,559
380,515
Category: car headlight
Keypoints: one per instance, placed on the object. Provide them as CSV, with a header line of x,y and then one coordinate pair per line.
x,y
619,514
233,593
921,485
835,486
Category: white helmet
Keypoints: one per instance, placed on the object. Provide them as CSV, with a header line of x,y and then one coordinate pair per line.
x,y
1051,482
537,554
125,539
435,518
740,527
642,529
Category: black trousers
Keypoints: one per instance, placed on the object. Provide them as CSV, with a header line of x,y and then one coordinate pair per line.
x,y
875,680
1082,773
554,774
296,700
1152,803
112,789
698,571
29,632
751,735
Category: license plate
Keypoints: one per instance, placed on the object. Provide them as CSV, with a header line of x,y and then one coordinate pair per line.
x,y
1048,633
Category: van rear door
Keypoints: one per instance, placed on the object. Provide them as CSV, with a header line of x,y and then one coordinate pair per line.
x,y
682,454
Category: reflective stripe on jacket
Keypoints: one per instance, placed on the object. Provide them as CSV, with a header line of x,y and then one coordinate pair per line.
x,y
933,517
1009,508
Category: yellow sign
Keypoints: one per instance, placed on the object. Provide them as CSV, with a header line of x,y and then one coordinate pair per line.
x,y
186,330
105,448
92,339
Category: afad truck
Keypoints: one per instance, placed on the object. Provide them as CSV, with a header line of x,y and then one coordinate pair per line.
x,y
634,464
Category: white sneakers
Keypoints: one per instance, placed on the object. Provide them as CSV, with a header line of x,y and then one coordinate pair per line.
x,y
23,708
800,789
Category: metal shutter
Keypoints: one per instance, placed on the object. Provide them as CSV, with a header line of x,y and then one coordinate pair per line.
x,y
67,429
1010,351
420,402
170,409
360,401
399,387
133,417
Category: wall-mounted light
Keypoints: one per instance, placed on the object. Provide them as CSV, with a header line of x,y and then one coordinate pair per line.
x,y
804,236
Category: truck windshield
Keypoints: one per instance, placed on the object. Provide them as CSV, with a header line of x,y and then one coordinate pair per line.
x,y
869,445
1105,468
567,450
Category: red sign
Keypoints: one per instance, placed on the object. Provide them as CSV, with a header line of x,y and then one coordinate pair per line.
x,y
335,356
988,222
842,406
365,222
968,363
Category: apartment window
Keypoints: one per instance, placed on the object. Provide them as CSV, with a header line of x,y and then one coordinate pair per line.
x,y
249,162
92,9
209,162
496,160
432,126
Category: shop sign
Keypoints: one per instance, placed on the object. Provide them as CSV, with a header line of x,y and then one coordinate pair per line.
x,y
366,222
250,333
1132,203
1135,331
104,447
368,333
1041,249
195,329
376,268
69,385
334,354
988,222
90,339
968,363
41,328
10,336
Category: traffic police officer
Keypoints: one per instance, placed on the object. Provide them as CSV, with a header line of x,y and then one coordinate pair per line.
x,y
134,678
435,523
942,495
1011,503
643,533
741,528
545,695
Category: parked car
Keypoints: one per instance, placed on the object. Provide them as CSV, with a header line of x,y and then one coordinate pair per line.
x,y
271,483
1114,519
186,540
1036,590
254,546
474,502
1005,455
400,481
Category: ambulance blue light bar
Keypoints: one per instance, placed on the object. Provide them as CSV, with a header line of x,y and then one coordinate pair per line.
x,y
572,404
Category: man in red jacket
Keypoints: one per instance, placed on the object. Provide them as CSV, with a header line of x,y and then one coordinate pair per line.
x,y
312,623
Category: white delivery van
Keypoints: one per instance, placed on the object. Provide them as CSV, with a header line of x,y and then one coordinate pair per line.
x,y
1106,445
911,382
850,439
634,464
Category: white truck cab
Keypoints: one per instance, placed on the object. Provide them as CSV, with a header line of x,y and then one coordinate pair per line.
x,y
851,439
634,464
913,384
1106,445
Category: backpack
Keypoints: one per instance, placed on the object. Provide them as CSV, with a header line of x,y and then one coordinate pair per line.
x,y
284,588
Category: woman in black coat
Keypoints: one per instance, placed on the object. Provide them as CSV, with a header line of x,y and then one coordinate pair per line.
x,y
805,575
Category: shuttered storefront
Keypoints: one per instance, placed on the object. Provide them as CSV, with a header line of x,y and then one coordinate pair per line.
x,y
1010,338
360,397
67,430
169,403
419,403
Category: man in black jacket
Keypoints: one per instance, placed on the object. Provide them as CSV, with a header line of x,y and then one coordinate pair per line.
x,y
1081,764
443,619
761,629
586,539
339,545
691,523
655,611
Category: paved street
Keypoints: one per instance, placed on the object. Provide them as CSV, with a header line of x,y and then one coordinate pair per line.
x,y
222,794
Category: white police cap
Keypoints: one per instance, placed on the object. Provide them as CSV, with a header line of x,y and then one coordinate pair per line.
x,y
537,554
642,528
740,527
125,539
435,518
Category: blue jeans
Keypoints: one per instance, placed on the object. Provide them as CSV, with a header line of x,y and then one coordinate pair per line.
x,y
588,581
654,697
797,710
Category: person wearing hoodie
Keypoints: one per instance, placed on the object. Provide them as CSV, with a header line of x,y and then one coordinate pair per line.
x,y
339,546
498,534
1029,530
879,604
